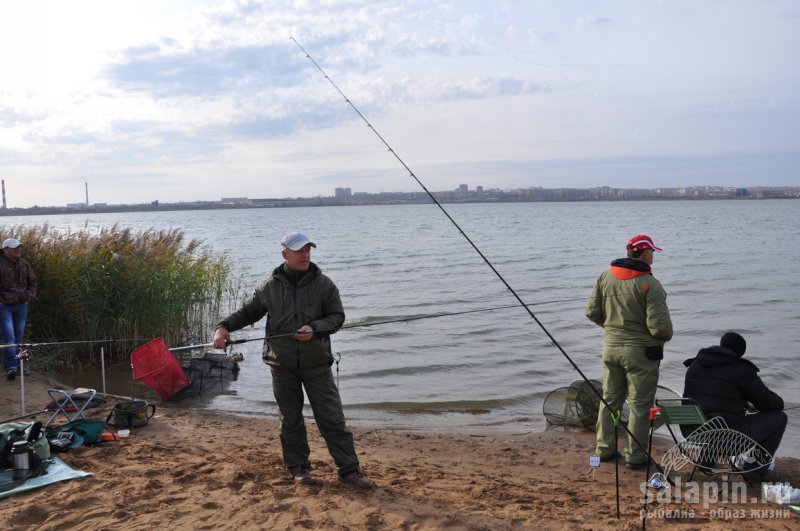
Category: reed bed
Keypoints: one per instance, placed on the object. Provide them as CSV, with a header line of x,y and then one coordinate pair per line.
x,y
123,286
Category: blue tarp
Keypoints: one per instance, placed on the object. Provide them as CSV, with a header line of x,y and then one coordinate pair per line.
x,y
57,471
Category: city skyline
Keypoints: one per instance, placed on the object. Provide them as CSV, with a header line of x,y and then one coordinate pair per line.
x,y
176,99
461,194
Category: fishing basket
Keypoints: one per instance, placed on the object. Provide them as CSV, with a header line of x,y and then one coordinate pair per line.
x,y
211,367
576,405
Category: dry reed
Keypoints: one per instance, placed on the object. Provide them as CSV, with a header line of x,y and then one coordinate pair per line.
x,y
121,285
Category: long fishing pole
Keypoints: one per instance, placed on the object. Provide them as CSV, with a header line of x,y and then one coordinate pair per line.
x,y
447,214
83,342
25,416
466,237
345,327
444,211
376,323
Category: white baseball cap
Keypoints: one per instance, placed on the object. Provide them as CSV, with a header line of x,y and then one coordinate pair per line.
x,y
296,241
11,243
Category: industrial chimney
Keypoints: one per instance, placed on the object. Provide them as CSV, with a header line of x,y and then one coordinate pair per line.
x,y
87,194
4,194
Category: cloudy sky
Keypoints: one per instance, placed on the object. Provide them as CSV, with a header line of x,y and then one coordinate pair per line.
x,y
183,100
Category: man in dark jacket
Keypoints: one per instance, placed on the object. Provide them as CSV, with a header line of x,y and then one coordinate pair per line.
x,y
17,287
303,309
726,385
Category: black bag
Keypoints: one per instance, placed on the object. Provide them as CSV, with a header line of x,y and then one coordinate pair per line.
x,y
131,414
654,353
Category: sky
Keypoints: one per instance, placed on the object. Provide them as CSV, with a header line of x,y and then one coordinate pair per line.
x,y
184,100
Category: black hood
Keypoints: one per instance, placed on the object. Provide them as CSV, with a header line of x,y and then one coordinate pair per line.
x,y
717,356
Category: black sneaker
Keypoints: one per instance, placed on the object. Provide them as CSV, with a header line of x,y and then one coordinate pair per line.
x,y
303,477
356,480
10,375
612,457
768,476
636,466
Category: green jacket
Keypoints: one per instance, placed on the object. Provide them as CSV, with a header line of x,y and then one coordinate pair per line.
x,y
631,305
313,301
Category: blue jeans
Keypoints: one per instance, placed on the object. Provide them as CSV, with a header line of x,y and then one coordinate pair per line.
x,y
12,328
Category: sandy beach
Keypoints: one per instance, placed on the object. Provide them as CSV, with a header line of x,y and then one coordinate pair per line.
x,y
191,469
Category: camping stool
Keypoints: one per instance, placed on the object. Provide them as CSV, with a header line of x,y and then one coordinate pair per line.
x,y
64,402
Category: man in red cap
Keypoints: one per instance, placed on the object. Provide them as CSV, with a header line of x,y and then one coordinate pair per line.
x,y
631,306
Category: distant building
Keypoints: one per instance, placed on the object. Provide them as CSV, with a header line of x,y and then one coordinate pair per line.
x,y
342,193
479,190
235,200
462,191
76,206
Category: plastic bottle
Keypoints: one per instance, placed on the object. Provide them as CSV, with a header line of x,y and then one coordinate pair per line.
x,y
106,436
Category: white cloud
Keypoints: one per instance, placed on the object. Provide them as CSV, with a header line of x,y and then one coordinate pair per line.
x,y
148,99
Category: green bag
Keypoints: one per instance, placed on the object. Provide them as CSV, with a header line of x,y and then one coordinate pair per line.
x,y
89,430
12,430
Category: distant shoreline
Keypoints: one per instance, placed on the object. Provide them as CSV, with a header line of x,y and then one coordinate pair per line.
x,y
537,195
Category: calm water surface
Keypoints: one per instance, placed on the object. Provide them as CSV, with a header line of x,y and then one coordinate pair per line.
x,y
726,265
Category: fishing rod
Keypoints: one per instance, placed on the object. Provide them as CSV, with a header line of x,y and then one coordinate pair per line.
x,y
469,240
234,342
449,217
376,323
84,342
210,345
25,416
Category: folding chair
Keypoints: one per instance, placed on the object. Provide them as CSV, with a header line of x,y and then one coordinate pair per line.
x,y
65,401
712,446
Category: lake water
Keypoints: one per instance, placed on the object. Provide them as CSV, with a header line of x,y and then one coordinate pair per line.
x,y
726,265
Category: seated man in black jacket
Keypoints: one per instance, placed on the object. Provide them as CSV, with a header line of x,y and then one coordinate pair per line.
x,y
726,385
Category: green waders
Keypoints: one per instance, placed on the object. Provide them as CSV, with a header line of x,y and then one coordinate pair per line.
x,y
288,385
627,373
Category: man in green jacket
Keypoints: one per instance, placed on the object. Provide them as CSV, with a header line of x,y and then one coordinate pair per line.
x,y
303,309
631,306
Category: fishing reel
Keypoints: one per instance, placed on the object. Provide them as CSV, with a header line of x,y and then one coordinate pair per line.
x,y
234,357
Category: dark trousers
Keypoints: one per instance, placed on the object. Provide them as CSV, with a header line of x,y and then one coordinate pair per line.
x,y
766,428
288,386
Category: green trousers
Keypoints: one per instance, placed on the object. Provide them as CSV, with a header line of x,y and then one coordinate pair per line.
x,y
627,374
288,386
